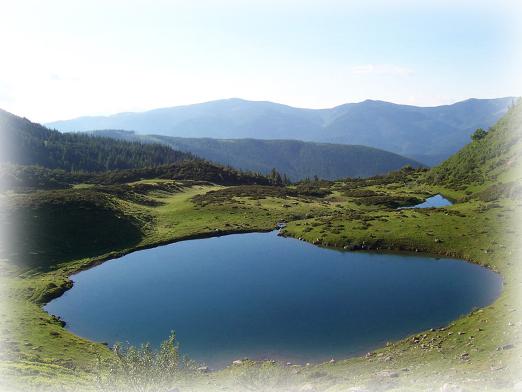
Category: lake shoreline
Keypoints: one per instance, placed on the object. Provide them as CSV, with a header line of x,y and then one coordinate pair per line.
x,y
391,250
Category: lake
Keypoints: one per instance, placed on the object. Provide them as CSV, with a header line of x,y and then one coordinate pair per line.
x,y
262,296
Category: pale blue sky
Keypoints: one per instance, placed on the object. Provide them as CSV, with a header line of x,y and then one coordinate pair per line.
x,y
69,58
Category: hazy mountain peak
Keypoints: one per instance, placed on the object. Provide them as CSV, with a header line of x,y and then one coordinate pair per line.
x,y
429,134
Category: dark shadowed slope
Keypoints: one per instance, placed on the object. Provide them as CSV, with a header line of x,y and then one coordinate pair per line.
x,y
428,134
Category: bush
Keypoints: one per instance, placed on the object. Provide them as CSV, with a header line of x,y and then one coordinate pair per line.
x,y
478,134
144,369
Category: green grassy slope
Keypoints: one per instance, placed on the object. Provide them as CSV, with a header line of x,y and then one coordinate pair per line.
x,y
47,228
494,160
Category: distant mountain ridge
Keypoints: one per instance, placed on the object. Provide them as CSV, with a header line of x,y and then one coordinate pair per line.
x,y
297,159
428,134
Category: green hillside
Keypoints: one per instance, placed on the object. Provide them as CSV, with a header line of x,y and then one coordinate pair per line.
x,y
27,143
34,157
297,159
491,163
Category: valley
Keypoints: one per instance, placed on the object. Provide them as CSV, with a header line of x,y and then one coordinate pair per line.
x,y
289,196
64,222
478,349
425,134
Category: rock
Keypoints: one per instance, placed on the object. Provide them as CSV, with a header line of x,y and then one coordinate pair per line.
x,y
289,364
237,362
437,240
332,361
464,356
388,374
203,369
508,346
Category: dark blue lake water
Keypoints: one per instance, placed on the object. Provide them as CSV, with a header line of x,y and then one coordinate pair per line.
x,y
263,296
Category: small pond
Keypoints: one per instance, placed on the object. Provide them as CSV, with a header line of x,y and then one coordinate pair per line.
x,y
434,201
263,296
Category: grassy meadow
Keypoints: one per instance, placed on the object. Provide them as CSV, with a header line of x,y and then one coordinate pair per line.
x,y
478,348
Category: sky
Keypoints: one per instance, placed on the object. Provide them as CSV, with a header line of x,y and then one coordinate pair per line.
x,y
62,59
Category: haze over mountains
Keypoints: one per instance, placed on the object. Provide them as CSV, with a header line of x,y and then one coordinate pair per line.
x,y
427,134
27,143
296,159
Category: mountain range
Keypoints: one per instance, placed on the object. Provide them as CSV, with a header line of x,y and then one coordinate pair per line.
x,y
30,144
427,134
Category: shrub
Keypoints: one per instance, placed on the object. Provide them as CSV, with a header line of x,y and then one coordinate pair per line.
x,y
144,369
478,134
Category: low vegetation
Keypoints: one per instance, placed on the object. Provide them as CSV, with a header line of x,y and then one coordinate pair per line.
x,y
491,158
28,178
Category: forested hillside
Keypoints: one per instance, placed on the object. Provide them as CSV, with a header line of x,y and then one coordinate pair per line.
x,y
27,143
17,177
297,159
